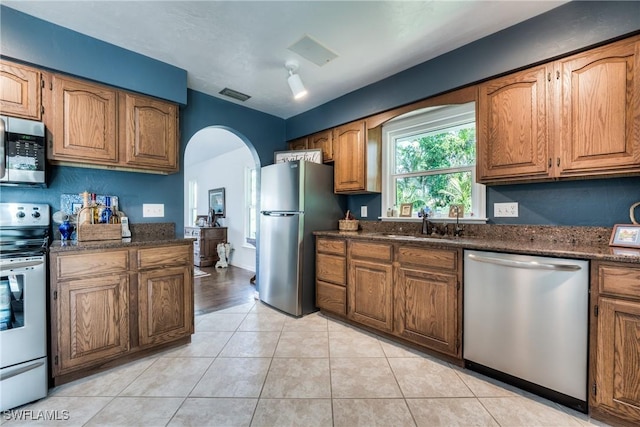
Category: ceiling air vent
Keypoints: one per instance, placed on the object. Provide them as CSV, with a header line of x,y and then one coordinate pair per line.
x,y
313,50
234,94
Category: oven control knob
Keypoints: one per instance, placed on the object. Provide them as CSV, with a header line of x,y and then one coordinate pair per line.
x,y
35,214
20,214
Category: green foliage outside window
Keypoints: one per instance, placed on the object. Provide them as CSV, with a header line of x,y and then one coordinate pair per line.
x,y
434,170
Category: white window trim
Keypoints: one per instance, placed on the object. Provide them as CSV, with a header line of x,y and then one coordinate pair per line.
x,y
193,202
247,207
414,122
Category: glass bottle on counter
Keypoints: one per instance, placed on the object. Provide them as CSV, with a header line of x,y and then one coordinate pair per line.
x,y
85,216
95,208
115,218
106,216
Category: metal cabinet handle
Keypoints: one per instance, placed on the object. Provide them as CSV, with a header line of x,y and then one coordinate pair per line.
x,y
531,265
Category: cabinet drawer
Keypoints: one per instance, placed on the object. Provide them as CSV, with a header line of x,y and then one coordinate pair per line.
x,y
428,257
619,280
331,268
191,232
378,251
215,233
91,264
164,256
331,246
331,297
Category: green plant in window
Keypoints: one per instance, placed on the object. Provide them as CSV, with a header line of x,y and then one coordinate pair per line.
x,y
430,160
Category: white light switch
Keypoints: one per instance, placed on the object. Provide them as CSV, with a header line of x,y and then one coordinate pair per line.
x,y
505,209
363,211
153,210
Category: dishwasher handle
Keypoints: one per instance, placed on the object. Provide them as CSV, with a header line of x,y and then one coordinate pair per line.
x,y
531,265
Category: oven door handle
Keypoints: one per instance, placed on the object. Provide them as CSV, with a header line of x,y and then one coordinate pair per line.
x,y
21,370
7,267
3,159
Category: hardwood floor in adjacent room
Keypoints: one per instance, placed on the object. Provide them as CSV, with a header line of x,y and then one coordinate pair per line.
x,y
222,288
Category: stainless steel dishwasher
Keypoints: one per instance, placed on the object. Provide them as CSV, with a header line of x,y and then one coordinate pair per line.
x,y
526,322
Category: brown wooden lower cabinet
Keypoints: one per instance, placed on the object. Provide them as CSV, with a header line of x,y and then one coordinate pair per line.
x,y
408,291
110,304
93,321
426,309
370,294
331,275
615,388
165,311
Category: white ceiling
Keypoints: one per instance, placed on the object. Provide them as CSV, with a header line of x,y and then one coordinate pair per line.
x,y
243,45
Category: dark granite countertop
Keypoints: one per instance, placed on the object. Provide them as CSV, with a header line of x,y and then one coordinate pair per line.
x,y
74,245
567,242
150,234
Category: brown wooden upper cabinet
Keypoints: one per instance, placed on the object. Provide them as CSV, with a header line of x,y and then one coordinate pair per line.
x,y
94,125
148,133
324,141
83,123
320,140
298,144
357,158
20,91
578,116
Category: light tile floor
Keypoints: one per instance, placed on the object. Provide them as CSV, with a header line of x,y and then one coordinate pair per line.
x,y
253,366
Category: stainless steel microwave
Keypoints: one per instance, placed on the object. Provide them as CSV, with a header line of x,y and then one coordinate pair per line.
x,y
22,155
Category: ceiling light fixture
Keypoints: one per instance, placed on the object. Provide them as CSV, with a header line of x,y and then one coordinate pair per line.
x,y
295,83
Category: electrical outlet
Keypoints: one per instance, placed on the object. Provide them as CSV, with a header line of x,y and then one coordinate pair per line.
x,y
505,209
363,211
152,210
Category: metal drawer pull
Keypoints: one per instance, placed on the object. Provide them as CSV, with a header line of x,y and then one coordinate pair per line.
x,y
531,265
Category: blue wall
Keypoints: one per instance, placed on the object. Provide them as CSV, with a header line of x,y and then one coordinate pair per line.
x,y
43,44
571,27
29,39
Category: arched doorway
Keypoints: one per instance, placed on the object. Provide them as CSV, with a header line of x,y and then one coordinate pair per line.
x,y
219,157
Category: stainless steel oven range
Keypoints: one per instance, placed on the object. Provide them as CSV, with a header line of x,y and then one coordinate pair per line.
x,y
24,239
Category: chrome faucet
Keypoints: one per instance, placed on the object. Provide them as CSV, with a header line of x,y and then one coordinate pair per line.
x,y
427,226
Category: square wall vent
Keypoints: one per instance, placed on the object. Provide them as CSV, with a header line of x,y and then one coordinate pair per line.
x,y
234,94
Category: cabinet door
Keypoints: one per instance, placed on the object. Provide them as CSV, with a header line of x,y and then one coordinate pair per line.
x,y
93,321
426,308
84,124
600,110
20,91
298,144
324,141
618,353
349,167
149,132
369,291
513,127
165,305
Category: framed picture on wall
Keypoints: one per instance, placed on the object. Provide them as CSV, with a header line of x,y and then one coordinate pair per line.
x,y
216,202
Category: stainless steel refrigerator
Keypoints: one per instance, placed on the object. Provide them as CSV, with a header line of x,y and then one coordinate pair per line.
x,y
296,199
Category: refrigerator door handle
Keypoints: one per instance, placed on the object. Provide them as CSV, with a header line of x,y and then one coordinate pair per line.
x,y
269,213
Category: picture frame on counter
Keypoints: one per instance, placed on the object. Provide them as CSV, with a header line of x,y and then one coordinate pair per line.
x,y
625,235
406,209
